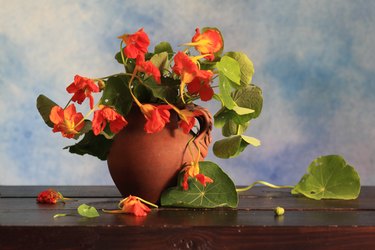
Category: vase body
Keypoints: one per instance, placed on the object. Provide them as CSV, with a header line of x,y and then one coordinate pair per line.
x,y
144,165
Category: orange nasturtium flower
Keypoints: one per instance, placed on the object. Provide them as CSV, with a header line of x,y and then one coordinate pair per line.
x,y
147,67
193,171
186,68
201,85
67,121
187,121
156,116
105,115
82,87
49,196
136,44
207,43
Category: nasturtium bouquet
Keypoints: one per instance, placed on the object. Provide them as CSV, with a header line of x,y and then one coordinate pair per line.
x,y
159,82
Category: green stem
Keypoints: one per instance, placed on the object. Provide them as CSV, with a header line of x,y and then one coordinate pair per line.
x,y
68,102
88,114
148,203
263,183
122,56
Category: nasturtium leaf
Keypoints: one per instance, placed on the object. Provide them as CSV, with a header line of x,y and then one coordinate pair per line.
x,y
87,211
242,111
93,145
86,128
167,89
232,146
249,97
246,66
236,121
164,47
224,115
160,61
225,90
232,128
116,94
329,177
220,193
230,68
44,106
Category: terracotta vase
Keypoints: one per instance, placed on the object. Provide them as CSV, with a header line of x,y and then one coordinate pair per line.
x,y
145,164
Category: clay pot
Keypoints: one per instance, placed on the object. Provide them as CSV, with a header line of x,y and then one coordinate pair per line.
x,y
145,164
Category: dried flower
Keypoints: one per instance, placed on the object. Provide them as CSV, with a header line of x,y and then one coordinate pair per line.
x,y
49,196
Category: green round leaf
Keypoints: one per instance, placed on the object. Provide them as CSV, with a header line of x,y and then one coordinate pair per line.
x,y
87,211
246,66
160,61
93,145
164,47
220,193
329,177
44,106
232,146
230,68
117,94
249,97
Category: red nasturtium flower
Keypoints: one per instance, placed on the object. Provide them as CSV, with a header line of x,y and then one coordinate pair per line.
x,y
156,116
82,87
187,121
185,67
49,196
193,171
134,206
67,121
136,44
207,43
147,67
201,85
105,115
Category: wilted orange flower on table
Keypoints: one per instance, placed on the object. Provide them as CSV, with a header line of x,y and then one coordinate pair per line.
x,y
106,115
49,196
136,44
82,87
67,121
156,116
134,206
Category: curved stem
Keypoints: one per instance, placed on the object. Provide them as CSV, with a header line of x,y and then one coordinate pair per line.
x,y
263,183
122,56
68,102
88,114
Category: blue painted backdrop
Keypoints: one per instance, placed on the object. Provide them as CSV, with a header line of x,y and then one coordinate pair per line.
x,y
314,60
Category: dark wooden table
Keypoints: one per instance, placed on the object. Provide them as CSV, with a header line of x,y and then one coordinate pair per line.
x,y
306,224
